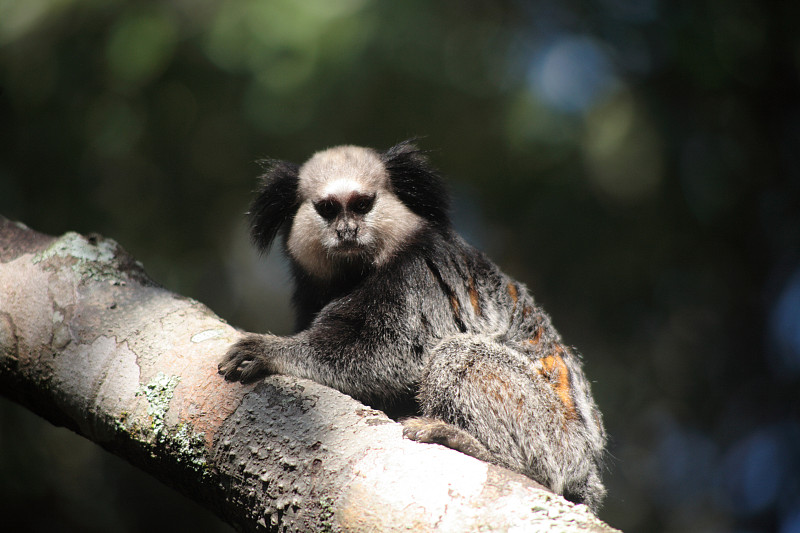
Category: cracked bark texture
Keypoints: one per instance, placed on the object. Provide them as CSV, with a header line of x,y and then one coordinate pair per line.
x,y
89,342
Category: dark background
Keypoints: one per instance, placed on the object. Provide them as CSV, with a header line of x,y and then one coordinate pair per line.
x,y
635,162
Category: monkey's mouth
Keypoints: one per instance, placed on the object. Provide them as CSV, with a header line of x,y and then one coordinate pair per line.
x,y
350,250
348,247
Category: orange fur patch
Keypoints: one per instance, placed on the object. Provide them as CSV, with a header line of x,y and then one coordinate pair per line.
x,y
536,336
512,291
473,297
555,370
454,305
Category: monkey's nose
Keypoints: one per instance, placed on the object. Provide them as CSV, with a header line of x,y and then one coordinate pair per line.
x,y
347,233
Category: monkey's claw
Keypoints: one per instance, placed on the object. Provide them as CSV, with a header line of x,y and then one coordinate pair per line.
x,y
245,361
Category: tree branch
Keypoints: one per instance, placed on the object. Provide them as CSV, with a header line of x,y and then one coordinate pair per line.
x,y
88,341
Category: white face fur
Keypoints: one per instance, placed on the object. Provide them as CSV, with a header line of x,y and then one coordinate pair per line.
x,y
348,215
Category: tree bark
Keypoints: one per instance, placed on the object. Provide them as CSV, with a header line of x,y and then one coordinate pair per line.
x,y
89,342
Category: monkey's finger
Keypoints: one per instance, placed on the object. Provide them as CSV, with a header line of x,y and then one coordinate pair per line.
x,y
230,370
233,364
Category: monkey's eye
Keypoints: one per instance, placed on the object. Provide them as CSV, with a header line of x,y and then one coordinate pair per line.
x,y
327,209
361,205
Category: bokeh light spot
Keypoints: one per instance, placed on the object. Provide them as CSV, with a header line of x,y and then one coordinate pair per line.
x,y
753,472
622,151
785,330
140,47
18,18
572,74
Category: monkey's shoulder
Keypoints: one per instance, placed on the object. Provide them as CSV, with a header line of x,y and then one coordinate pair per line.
x,y
439,283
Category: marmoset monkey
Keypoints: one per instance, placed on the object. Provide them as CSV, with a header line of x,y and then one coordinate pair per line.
x,y
396,310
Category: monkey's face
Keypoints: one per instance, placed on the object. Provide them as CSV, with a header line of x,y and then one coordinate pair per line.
x,y
348,218
337,229
346,229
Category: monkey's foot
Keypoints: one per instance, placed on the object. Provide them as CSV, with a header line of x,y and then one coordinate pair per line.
x,y
246,360
435,431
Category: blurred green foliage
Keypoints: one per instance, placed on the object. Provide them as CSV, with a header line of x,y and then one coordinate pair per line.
x,y
634,162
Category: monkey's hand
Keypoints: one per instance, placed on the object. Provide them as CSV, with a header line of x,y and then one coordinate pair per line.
x,y
248,359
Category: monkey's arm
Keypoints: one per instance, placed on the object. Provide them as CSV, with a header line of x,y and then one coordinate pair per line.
x,y
356,368
369,344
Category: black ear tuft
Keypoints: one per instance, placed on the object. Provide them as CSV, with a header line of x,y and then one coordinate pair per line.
x,y
276,201
418,185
